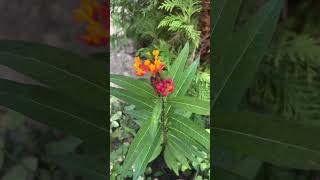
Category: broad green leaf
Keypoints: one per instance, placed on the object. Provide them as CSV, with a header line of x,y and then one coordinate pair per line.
x,y
82,78
179,64
133,85
191,104
268,138
189,128
139,101
185,80
84,166
57,111
233,71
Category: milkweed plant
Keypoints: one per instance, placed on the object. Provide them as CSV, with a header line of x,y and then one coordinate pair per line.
x,y
168,131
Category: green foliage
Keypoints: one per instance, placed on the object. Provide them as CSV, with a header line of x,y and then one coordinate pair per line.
x,y
183,20
287,82
70,96
148,25
233,74
201,86
164,128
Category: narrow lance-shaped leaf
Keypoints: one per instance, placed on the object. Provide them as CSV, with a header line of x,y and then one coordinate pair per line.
x,y
225,13
185,80
133,85
171,161
59,69
139,101
179,64
147,155
233,72
190,129
148,135
57,111
268,138
236,163
190,104
85,166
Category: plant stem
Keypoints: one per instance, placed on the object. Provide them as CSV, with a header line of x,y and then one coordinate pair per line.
x,y
163,121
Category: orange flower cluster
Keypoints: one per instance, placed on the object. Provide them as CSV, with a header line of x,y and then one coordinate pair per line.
x,y
95,15
142,67
153,65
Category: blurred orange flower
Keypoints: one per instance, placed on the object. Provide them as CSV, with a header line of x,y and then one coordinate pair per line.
x,y
96,17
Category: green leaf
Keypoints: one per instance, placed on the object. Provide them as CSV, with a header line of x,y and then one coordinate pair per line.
x,y
186,126
268,138
189,151
171,161
223,174
144,145
61,70
139,101
186,79
57,111
236,163
155,118
85,166
177,154
133,85
191,104
149,150
181,148
179,64
157,151
233,72
224,16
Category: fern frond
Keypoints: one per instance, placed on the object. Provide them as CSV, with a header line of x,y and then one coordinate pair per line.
x,y
182,20
169,5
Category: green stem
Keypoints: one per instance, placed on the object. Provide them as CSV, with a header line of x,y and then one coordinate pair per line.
x,y
163,121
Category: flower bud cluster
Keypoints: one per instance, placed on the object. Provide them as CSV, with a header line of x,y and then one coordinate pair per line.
x,y
162,86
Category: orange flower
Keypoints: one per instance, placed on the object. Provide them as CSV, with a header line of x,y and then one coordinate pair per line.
x,y
140,72
95,16
155,53
147,62
148,65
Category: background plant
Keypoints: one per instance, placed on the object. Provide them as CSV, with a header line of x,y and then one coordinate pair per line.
x,y
148,22
274,126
